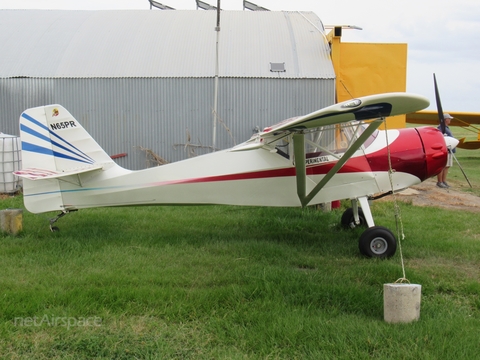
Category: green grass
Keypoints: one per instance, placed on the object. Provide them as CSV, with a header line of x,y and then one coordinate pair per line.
x,y
230,283
237,283
469,161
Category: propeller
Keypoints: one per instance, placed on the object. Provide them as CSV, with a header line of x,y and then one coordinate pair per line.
x,y
441,119
439,106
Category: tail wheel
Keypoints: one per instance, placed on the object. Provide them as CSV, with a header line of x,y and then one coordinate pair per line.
x,y
378,242
348,219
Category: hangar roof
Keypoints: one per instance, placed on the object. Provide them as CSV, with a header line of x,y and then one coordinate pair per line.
x,y
154,43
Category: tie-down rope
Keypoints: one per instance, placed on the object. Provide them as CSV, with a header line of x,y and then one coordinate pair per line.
x,y
398,215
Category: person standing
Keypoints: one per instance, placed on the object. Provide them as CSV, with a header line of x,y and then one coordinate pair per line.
x,y
442,176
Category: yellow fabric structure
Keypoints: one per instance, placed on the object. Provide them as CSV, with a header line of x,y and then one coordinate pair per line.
x,y
369,68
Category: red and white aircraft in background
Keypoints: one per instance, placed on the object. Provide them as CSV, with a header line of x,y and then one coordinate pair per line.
x,y
330,154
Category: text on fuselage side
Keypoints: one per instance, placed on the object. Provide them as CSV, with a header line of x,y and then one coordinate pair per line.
x,y
63,125
317,160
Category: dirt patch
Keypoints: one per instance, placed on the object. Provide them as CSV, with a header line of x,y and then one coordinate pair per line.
x,y
6,196
428,194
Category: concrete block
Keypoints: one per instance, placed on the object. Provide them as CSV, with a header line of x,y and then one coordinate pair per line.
x,y
401,302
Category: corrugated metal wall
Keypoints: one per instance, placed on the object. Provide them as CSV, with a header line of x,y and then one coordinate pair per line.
x,y
161,113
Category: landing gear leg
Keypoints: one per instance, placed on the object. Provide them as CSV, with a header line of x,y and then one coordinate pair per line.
x,y
367,213
358,216
376,241
56,218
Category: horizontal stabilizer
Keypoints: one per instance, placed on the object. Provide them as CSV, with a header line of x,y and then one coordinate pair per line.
x,y
42,174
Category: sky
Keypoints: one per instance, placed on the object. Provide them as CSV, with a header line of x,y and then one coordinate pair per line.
x,y
443,36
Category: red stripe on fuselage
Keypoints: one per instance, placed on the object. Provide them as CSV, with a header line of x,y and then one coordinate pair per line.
x,y
406,153
354,165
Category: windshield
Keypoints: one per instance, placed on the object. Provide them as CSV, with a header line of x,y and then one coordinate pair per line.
x,y
329,140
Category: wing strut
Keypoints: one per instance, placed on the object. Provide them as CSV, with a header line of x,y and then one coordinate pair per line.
x,y
300,164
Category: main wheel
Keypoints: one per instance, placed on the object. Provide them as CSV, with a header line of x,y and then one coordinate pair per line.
x,y
377,242
348,220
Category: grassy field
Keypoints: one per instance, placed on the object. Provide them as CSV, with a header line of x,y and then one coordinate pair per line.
x,y
236,283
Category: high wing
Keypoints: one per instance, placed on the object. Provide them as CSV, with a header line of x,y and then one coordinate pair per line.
x,y
363,108
463,119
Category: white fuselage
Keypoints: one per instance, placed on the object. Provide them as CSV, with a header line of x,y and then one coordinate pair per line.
x,y
255,177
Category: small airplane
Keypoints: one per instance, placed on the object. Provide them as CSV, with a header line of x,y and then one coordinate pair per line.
x,y
330,154
467,120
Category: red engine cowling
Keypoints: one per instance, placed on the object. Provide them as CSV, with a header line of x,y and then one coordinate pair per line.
x,y
435,150
421,152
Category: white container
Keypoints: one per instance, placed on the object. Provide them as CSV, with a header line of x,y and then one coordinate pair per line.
x,y
401,302
10,161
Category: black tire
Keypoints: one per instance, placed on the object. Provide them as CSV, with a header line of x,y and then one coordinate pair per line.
x,y
377,242
348,220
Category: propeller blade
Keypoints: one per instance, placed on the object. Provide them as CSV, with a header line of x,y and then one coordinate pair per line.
x,y
442,126
439,106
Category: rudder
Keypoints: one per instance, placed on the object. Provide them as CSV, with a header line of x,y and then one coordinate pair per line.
x,y
54,143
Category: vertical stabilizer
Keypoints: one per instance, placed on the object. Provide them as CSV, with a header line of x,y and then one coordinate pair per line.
x,y
54,145
53,138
